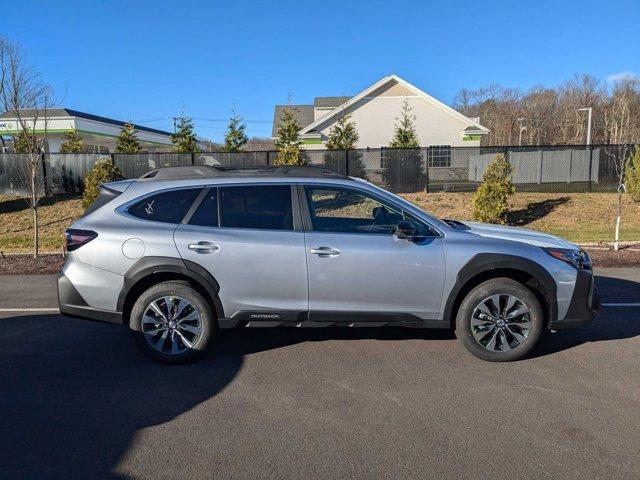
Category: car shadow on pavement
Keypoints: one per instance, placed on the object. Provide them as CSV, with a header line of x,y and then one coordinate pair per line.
x,y
73,393
611,323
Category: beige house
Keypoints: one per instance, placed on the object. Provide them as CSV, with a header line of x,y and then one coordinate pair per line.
x,y
374,112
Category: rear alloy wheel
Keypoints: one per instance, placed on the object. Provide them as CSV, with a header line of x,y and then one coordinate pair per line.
x,y
171,325
172,322
499,320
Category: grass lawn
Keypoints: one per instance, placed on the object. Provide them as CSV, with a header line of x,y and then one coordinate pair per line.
x,y
16,222
579,217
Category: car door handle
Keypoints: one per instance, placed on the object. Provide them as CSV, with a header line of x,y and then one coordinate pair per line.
x,y
325,251
204,247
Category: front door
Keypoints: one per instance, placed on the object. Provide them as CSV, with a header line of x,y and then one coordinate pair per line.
x,y
250,239
359,269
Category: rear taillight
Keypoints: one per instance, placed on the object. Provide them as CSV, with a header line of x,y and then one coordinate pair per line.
x,y
74,239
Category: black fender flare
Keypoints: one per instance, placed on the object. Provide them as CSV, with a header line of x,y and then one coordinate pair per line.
x,y
152,265
485,263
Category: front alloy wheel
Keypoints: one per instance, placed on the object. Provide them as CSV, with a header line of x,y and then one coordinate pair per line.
x,y
499,320
501,323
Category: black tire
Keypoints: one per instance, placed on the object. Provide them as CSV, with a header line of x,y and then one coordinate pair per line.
x,y
468,334
206,322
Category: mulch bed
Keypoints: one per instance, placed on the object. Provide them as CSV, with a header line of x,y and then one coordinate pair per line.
x,y
626,257
27,265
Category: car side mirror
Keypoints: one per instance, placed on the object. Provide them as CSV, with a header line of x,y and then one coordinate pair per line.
x,y
406,230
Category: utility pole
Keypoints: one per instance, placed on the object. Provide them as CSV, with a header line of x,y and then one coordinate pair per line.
x,y
590,110
522,129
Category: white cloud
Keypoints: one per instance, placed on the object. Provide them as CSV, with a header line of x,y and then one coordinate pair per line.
x,y
616,77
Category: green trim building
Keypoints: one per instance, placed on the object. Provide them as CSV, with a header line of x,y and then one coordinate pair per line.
x,y
98,133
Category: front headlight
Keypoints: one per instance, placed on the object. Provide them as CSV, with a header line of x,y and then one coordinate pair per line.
x,y
577,258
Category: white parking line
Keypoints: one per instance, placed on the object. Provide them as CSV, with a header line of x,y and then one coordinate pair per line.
x,y
621,304
29,310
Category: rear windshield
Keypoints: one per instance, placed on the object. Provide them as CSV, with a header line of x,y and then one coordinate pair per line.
x,y
169,206
105,196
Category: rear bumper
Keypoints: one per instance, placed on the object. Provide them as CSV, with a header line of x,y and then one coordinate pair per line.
x,y
585,302
72,304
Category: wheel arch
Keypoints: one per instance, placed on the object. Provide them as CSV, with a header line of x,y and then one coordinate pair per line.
x,y
484,267
149,271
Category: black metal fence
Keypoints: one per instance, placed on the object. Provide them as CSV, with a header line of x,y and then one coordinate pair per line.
x,y
566,168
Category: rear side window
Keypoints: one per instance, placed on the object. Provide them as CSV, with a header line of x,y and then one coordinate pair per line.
x,y
168,207
265,207
206,215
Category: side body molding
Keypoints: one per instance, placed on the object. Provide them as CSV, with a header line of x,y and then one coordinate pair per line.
x,y
154,265
488,263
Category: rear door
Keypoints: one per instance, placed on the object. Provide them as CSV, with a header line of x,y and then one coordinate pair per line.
x,y
250,238
358,268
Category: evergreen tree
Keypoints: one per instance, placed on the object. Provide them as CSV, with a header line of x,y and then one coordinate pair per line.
x,y
25,142
343,135
185,138
405,133
404,170
127,141
235,138
491,200
72,143
288,143
102,172
343,138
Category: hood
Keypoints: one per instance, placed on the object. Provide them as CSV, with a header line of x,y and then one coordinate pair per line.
x,y
518,234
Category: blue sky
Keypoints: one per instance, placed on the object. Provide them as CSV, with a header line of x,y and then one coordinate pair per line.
x,y
147,60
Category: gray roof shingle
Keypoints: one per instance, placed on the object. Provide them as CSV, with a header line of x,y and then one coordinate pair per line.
x,y
305,116
329,101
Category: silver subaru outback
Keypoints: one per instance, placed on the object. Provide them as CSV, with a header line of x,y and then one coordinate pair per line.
x,y
184,251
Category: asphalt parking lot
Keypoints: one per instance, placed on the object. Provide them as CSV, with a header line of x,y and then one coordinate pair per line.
x,y
78,400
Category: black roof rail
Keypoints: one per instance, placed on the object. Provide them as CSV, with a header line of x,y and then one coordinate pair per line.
x,y
213,171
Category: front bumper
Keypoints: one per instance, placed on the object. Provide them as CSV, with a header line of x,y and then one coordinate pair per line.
x,y
72,304
585,302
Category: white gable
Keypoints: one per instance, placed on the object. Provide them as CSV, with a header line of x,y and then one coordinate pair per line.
x,y
374,111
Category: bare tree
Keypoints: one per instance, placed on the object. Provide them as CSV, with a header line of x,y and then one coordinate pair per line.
x,y
551,115
29,99
539,107
622,128
497,107
581,91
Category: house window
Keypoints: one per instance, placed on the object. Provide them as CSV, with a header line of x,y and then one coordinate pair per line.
x,y
439,156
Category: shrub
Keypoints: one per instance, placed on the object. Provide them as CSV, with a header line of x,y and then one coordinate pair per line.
x,y
103,171
491,200
632,176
